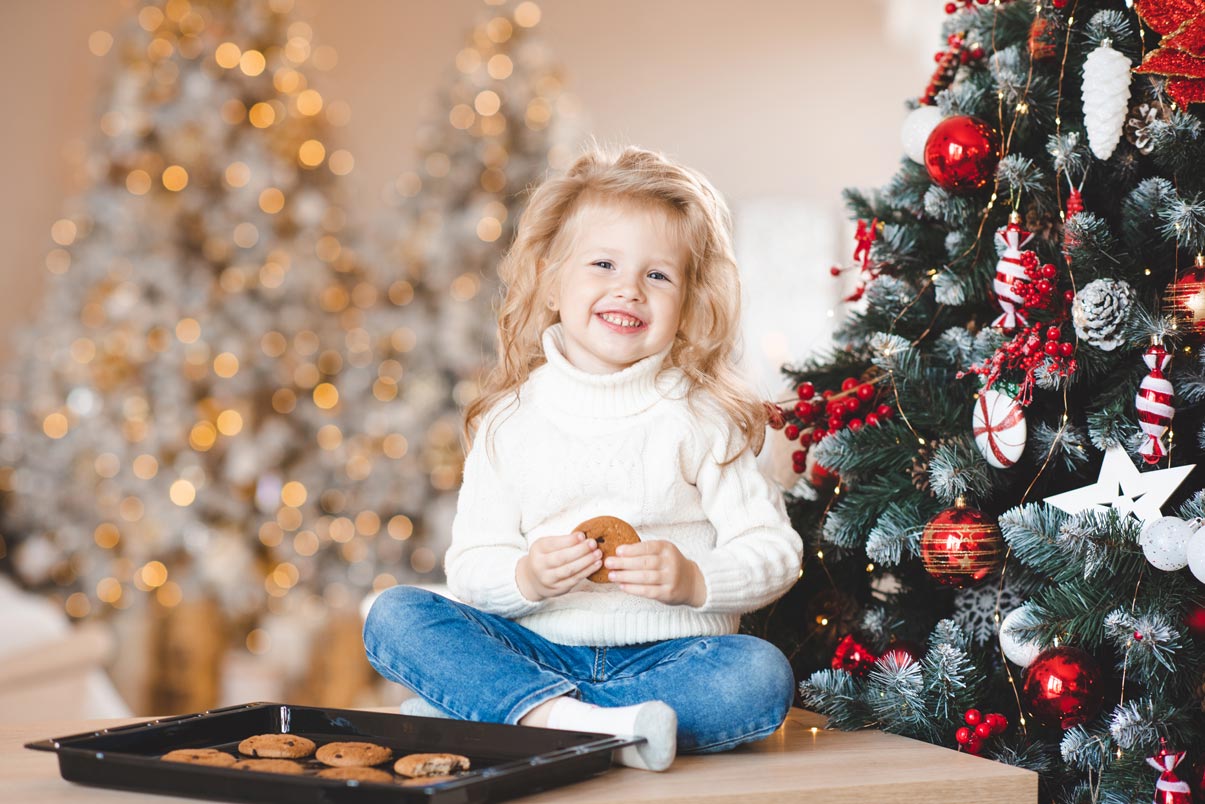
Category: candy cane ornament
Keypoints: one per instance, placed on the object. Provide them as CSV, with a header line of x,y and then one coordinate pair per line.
x,y
1154,402
1010,272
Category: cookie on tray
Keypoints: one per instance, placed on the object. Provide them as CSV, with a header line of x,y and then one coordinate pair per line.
x,y
427,765
287,766
200,756
353,754
359,774
609,532
276,746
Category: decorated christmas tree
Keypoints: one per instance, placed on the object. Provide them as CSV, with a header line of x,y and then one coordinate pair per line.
x,y
997,459
212,404
501,124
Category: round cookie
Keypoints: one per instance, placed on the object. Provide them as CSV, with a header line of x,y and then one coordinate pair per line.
x,y
429,765
286,766
610,532
352,754
359,774
277,746
200,756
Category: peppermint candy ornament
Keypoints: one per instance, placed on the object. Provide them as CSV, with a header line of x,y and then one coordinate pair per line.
x,y
1154,402
998,423
1106,91
1170,789
1010,272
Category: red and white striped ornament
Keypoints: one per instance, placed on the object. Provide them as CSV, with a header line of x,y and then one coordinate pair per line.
x,y
1010,272
998,423
1154,402
1170,789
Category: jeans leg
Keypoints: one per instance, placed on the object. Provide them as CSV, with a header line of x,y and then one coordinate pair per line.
x,y
726,690
471,664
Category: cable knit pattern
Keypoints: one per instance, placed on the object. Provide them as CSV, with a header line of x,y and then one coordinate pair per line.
x,y
580,445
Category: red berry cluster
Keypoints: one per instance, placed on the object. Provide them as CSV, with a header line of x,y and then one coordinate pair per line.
x,y
957,48
952,7
1038,292
979,729
1040,343
855,406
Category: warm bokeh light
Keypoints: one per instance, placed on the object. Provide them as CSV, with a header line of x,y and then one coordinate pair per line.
x,y
230,422
293,494
326,396
311,153
175,178
188,330
527,14
182,493
55,425
227,55
106,536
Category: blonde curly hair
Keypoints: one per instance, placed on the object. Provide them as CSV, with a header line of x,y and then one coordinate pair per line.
x,y
706,346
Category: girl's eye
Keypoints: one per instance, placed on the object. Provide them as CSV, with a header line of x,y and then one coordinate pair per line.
x,y
659,274
604,264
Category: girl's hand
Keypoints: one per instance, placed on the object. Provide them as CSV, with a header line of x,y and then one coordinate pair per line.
x,y
556,564
657,570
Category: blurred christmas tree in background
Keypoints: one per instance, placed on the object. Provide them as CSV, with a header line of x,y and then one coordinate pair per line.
x,y
987,457
236,416
501,125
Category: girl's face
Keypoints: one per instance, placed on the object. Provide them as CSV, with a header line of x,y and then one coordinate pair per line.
x,y
621,288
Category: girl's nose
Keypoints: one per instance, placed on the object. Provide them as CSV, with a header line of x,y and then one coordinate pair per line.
x,y
627,287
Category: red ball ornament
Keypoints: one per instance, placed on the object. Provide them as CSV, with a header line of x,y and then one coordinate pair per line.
x,y
852,657
962,736
1063,687
961,153
1184,299
792,432
905,651
806,390
865,392
961,546
973,717
1194,618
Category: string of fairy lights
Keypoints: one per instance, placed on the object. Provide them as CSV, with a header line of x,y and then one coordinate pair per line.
x,y
285,237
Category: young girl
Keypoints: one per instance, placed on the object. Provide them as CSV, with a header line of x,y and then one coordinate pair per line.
x,y
615,394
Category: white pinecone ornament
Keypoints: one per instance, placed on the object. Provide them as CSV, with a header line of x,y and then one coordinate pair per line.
x,y
1106,98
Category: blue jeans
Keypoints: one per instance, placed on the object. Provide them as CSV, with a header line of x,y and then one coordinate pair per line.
x,y
726,690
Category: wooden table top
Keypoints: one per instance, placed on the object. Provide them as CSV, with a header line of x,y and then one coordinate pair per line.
x,y
798,763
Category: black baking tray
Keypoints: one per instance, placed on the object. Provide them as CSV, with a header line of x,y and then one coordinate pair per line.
x,y
506,761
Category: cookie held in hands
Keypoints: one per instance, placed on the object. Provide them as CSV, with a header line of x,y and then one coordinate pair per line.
x,y
609,532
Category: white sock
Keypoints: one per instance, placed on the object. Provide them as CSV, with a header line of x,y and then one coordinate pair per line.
x,y
417,707
653,720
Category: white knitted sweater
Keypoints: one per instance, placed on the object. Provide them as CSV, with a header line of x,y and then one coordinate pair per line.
x,y
581,445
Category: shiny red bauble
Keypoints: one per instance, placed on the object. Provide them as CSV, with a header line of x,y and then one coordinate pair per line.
x,y
961,546
852,656
1184,300
961,153
1063,687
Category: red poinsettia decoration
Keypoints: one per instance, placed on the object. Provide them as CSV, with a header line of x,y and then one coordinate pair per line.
x,y
1180,56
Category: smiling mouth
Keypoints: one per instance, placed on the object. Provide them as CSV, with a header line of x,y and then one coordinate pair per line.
x,y
621,321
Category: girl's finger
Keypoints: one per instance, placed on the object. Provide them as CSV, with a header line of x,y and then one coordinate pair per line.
x,y
638,577
582,566
573,552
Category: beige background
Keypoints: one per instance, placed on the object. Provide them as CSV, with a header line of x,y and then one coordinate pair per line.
x,y
790,99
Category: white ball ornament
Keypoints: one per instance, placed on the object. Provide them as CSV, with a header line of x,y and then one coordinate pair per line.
x,y
1018,651
1164,542
998,424
918,125
1195,554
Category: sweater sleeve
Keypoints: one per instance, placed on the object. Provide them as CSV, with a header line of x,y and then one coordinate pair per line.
x,y
758,554
487,541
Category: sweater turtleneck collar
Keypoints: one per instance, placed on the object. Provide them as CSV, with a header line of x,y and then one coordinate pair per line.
x,y
564,387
